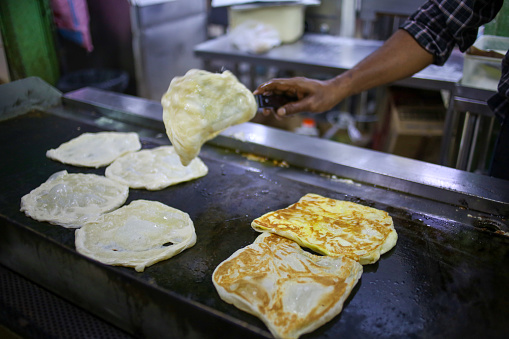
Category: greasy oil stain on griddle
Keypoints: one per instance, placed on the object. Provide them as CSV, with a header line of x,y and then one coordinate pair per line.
x,y
442,278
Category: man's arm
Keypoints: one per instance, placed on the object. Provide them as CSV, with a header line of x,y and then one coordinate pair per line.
x,y
399,57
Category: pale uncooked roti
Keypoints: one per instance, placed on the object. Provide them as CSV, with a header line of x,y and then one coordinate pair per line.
x,y
70,200
154,169
333,227
199,105
292,291
95,149
137,235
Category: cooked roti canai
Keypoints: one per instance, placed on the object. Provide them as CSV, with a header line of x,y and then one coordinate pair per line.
x,y
70,200
292,291
95,149
137,235
199,105
333,227
154,169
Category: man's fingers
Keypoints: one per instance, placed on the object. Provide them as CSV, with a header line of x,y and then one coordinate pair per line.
x,y
278,86
281,111
267,111
303,105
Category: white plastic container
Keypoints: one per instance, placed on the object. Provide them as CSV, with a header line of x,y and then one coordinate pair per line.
x,y
482,71
287,19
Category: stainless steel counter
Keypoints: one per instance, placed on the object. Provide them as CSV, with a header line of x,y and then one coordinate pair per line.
x,y
329,54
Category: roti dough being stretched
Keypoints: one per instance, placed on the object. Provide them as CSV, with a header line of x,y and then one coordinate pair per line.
x,y
333,227
69,200
200,105
292,291
137,235
154,169
95,149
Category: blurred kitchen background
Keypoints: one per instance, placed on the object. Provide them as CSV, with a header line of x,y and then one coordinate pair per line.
x,y
137,46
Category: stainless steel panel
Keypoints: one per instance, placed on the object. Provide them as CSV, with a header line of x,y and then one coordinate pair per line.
x,y
371,8
22,95
163,39
164,12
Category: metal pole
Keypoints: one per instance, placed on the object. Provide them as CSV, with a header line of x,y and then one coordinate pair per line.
x,y
466,137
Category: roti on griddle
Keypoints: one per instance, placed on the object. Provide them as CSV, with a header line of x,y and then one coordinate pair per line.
x,y
292,291
70,200
137,235
95,149
333,227
154,169
199,105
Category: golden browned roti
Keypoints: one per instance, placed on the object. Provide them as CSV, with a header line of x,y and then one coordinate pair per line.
x,y
333,227
292,291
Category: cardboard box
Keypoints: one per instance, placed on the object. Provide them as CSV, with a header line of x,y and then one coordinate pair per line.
x,y
413,125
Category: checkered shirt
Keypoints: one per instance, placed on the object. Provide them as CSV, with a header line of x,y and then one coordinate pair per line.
x,y
440,25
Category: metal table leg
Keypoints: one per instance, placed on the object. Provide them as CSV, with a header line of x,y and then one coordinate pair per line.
x,y
466,141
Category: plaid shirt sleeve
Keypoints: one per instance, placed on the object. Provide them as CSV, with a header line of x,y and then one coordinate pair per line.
x,y
439,25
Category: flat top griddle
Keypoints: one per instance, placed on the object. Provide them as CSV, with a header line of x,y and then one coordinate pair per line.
x,y
446,277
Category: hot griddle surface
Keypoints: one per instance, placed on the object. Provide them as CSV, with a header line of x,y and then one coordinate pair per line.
x,y
443,279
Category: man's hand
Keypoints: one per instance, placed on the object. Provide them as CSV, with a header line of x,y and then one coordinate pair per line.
x,y
313,95
399,57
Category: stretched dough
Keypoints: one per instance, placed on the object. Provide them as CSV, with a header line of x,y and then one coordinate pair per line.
x,y
200,105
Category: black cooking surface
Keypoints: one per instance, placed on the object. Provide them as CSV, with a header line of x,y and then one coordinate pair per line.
x,y
443,279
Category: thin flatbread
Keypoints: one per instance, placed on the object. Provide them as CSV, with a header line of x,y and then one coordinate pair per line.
x,y
199,105
95,149
333,227
137,235
292,291
69,200
154,169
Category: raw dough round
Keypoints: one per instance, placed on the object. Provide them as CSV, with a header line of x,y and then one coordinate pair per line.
x,y
69,200
154,169
137,235
95,149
